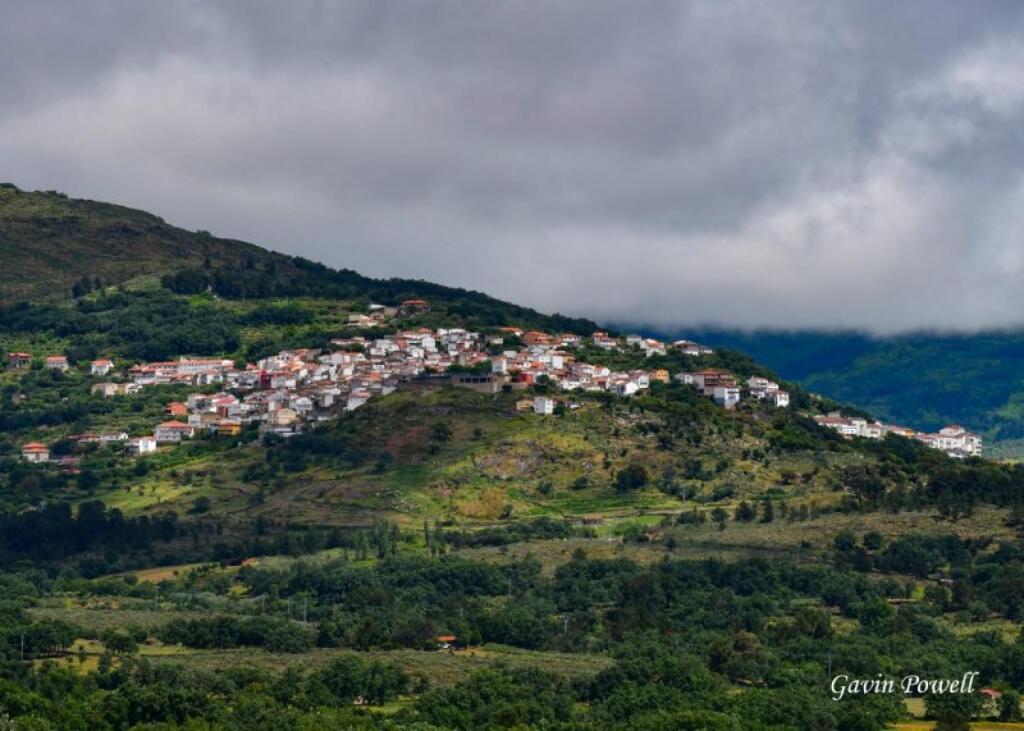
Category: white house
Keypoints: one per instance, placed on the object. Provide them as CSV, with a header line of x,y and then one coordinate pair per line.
x,y
727,396
543,405
624,388
758,384
640,378
653,347
35,452
956,441
115,389
142,445
302,404
357,399
100,367
57,362
173,431
839,424
852,427
765,390
688,347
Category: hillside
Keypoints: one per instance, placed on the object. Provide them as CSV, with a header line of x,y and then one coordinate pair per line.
x,y
428,454
413,553
420,453
50,242
920,380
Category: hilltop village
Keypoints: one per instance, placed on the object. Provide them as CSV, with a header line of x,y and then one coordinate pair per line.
x,y
286,393
954,439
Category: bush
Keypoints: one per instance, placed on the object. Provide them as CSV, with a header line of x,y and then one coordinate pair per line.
x,y
631,477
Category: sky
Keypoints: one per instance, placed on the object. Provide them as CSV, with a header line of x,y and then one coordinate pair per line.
x,y
664,164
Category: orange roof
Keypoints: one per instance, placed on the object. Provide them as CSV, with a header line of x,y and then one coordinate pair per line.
x,y
35,447
446,638
173,425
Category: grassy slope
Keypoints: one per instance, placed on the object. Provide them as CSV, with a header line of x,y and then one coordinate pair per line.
x,y
48,241
496,462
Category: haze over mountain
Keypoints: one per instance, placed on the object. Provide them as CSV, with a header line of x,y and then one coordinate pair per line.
x,y
796,164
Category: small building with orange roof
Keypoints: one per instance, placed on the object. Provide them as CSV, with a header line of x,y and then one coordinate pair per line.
x,y
35,452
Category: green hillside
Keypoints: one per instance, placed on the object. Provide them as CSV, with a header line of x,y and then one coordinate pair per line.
x,y
470,461
419,454
50,243
445,558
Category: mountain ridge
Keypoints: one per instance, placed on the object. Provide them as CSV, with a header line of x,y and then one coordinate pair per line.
x,y
51,242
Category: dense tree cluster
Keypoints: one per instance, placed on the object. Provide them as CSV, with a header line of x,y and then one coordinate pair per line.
x,y
709,644
271,633
141,326
56,531
297,277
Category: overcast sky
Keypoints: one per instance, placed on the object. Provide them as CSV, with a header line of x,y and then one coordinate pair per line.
x,y
785,164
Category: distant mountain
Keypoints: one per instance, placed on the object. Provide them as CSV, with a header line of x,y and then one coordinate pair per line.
x,y
923,380
52,246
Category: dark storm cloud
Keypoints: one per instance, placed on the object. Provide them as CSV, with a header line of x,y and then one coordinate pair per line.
x,y
741,163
